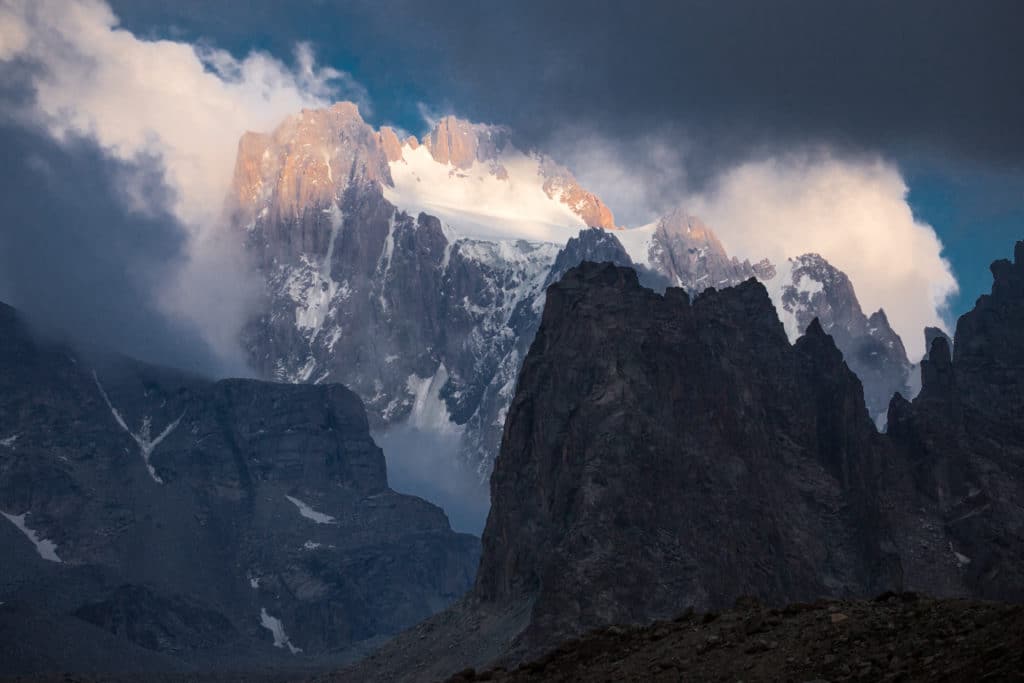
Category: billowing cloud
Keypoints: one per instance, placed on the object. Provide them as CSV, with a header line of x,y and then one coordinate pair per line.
x,y
852,212
78,259
182,105
185,103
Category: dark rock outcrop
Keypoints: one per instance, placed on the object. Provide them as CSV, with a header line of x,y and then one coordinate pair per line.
x,y
661,454
221,523
964,436
645,427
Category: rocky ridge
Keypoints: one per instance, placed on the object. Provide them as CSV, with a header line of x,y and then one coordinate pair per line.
x,y
663,454
414,310
691,256
160,521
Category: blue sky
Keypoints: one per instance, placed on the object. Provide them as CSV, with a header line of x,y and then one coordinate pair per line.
x,y
978,215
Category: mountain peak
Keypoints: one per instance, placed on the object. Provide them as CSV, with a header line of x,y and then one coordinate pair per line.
x,y
561,184
461,143
306,162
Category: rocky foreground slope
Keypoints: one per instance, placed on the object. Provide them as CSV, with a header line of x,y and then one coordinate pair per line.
x,y
155,521
663,454
893,638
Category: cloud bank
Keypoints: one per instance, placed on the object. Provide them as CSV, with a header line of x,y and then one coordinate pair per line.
x,y
183,107
852,212
179,106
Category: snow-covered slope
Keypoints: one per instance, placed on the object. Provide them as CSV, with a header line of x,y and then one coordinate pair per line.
x,y
480,203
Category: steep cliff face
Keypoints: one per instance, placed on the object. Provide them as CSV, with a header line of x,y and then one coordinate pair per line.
x,y
964,436
644,427
422,322
219,523
308,160
561,184
661,454
461,143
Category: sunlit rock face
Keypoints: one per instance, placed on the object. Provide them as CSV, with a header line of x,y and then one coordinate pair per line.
x,y
561,184
413,270
460,143
307,161
689,253
390,143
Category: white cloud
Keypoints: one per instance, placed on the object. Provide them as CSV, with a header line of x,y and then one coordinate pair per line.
x,y
189,105
640,181
183,104
13,35
855,214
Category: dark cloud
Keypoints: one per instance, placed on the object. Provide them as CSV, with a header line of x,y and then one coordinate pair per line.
x,y
726,79
87,244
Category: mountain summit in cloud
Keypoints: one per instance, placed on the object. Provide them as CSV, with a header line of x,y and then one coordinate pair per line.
x,y
414,271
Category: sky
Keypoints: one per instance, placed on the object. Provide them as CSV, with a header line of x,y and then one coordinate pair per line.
x,y
886,135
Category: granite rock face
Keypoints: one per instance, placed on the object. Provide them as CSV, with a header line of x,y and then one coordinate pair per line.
x,y
645,427
561,184
218,523
663,453
964,436
698,457
461,143
426,327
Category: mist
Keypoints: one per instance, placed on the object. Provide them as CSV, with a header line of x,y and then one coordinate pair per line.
x,y
426,463
83,265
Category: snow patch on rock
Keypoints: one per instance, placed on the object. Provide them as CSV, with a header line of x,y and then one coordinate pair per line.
x,y
46,549
309,513
147,444
274,625
776,287
477,203
637,243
